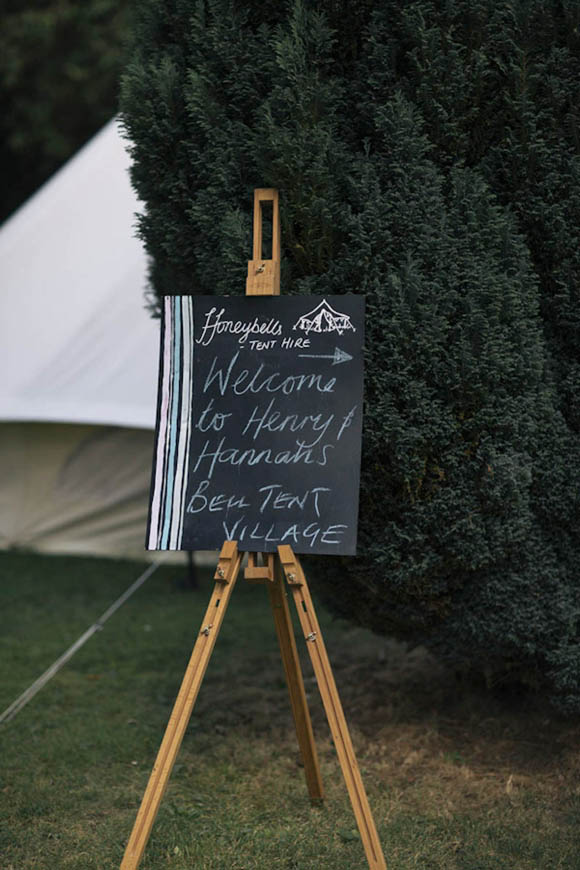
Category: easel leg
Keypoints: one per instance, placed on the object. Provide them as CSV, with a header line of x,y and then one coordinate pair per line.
x,y
291,662
334,712
225,576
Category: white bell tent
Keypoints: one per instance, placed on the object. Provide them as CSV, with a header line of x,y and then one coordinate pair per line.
x,y
78,363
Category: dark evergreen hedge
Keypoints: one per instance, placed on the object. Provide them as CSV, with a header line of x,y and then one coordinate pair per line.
x,y
427,156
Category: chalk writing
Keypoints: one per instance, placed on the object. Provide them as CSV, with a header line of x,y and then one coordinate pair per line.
x,y
231,379
214,325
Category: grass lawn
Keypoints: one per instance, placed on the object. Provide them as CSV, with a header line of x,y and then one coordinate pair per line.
x,y
456,778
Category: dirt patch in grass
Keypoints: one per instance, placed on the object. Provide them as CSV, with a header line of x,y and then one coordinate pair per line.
x,y
422,725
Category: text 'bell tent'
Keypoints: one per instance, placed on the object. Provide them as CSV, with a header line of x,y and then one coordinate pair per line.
x,y
78,363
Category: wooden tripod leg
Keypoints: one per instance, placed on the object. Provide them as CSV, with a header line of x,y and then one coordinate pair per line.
x,y
334,712
291,662
225,577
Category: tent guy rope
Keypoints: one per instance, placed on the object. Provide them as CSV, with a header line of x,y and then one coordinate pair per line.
x,y
32,690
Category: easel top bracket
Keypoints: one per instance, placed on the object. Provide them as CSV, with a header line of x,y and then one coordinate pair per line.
x,y
263,280
264,274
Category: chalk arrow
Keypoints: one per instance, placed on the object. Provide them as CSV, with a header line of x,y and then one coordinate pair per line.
x,y
339,356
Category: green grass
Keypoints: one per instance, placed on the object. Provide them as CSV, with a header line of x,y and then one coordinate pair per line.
x,y
456,779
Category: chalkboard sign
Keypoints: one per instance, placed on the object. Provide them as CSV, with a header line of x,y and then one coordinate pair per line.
x,y
259,424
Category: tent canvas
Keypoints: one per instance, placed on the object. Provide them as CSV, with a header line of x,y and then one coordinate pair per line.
x,y
78,362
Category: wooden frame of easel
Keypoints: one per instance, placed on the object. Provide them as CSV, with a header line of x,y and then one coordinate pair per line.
x,y
263,279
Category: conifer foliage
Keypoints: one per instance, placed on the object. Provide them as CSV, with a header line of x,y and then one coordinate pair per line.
x,y
427,157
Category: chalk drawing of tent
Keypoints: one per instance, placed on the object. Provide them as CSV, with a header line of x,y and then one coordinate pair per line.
x,y
324,318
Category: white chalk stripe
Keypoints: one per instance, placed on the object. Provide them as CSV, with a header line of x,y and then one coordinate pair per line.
x,y
185,414
156,519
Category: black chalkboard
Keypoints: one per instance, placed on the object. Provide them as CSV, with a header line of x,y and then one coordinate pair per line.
x,y
259,424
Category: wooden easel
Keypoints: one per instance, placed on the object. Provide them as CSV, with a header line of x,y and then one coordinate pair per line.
x,y
263,279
